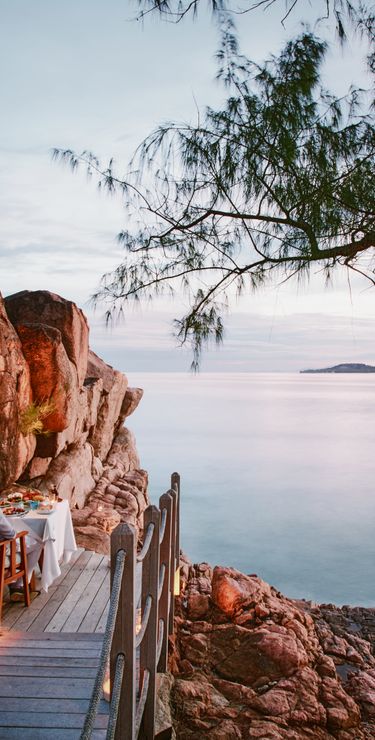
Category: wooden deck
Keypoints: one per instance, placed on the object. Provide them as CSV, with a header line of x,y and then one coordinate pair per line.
x,y
49,654
76,602
45,685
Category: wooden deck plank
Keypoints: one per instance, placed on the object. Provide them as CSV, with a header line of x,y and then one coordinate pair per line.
x,y
100,627
43,671
100,602
62,591
65,688
58,652
50,605
42,660
46,645
12,635
85,604
16,609
25,733
74,595
19,618
52,720
66,706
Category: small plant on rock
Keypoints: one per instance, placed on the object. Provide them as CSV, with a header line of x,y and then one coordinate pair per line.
x,y
32,417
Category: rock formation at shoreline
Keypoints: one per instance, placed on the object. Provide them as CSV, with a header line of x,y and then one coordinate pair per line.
x,y
249,663
62,415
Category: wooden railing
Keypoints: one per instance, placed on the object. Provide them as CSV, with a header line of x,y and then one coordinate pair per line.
x,y
138,651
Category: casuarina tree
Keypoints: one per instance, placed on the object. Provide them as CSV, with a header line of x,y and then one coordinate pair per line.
x,y
279,179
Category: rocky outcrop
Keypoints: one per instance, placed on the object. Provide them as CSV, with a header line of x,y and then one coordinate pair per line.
x,y
16,448
63,410
49,309
52,376
120,489
250,663
131,400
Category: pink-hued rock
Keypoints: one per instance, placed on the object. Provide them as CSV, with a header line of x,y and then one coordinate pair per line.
x,y
97,368
109,419
198,605
119,493
250,663
131,400
91,538
124,450
84,406
16,449
51,374
247,656
71,473
43,307
87,455
103,517
362,688
37,467
233,591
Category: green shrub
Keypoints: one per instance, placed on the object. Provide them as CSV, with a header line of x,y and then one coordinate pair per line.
x,y
32,418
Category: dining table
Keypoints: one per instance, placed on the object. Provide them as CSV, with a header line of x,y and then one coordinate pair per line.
x,y
49,534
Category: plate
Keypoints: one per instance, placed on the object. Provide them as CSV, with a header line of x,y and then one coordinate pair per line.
x,y
15,497
9,511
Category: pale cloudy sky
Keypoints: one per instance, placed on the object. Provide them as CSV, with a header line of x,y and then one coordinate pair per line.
x,y
85,75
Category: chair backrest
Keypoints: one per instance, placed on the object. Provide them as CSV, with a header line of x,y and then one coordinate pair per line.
x,y
14,566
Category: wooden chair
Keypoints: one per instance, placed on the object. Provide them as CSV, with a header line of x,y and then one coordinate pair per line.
x,y
13,565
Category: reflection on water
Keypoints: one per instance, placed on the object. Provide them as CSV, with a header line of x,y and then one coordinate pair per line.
x,y
277,470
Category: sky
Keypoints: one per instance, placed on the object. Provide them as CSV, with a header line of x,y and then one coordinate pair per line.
x,y
86,75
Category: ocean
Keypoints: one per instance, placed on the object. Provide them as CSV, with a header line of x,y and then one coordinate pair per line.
x,y
277,474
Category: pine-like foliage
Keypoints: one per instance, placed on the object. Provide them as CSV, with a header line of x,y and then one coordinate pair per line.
x,y
279,179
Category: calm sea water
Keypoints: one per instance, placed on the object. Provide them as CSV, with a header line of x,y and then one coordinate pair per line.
x,y
278,474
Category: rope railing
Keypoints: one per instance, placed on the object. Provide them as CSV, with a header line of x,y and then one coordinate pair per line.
x,y
116,694
144,621
142,703
159,556
146,545
106,647
163,522
161,580
160,639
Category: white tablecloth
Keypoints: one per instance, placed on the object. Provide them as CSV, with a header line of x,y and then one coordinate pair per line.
x,y
54,533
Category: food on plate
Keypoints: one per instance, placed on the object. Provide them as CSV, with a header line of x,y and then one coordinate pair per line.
x,y
16,496
14,511
33,496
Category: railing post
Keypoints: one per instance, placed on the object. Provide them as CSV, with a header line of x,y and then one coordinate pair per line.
x,y
176,485
148,649
174,556
165,502
123,538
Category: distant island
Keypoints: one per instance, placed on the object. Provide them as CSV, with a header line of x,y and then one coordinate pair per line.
x,y
346,367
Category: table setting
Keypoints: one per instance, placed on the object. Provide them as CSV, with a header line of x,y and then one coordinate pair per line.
x,y
48,521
